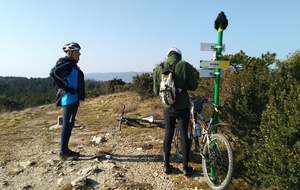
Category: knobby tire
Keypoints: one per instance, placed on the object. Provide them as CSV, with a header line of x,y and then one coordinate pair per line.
x,y
220,158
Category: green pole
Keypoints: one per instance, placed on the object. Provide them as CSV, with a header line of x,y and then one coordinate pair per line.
x,y
220,25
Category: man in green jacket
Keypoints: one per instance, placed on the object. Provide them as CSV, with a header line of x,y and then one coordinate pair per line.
x,y
186,78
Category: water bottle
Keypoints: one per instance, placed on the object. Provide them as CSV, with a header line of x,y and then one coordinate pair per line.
x,y
197,130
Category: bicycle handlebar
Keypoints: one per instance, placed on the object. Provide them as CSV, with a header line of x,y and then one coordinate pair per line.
x,y
218,107
215,105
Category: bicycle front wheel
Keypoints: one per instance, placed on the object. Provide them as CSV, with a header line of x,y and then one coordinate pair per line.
x,y
217,163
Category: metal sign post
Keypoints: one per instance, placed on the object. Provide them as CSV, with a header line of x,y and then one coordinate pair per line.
x,y
221,24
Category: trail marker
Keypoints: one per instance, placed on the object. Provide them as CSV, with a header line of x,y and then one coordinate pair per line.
x,y
204,73
214,64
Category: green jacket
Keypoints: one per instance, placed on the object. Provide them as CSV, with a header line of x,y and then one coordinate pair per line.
x,y
185,78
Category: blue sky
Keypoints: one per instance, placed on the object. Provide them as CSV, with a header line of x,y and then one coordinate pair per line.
x,y
134,35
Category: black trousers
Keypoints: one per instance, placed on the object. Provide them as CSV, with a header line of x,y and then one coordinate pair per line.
x,y
182,117
69,114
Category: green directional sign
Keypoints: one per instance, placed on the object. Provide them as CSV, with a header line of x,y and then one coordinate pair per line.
x,y
214,64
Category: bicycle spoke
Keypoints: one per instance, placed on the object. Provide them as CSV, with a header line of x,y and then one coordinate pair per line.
x,y
177,143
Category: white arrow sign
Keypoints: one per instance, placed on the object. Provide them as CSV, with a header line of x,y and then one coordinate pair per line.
x,y
208,73
210,47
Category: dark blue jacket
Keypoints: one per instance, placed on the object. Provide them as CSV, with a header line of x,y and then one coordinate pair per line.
x,y
67,75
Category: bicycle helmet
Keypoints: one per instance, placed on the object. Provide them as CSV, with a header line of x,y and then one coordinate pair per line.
x,y
174,50
71,46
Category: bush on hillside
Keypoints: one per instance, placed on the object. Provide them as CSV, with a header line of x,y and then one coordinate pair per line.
x,y
264,116
143,85
113,85
274,157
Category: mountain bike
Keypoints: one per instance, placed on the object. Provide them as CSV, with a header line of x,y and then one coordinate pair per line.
x,y
215,149
137,121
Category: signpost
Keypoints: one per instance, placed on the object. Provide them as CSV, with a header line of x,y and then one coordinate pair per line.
x,y
221,24
217,64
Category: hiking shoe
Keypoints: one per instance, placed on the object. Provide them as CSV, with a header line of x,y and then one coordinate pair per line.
x,y
189,172
74,153
168,170
70,155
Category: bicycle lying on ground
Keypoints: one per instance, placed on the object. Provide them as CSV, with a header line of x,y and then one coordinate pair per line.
x,y
136,121
216,151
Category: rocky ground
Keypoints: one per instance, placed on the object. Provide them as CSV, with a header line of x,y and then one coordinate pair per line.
x,y
126,159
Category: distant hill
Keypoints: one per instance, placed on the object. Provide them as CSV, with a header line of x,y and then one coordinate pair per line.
x,y
125,76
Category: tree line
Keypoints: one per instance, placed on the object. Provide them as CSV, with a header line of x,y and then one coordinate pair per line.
x,y
261,96
17,93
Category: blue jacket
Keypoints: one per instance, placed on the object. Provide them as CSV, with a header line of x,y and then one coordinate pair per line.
x,y
67,76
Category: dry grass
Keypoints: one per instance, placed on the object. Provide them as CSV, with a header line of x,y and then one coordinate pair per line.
x,y
97,115
102,111
30,127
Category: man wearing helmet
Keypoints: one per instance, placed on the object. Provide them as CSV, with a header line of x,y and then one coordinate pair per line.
x,y
185,78
69,80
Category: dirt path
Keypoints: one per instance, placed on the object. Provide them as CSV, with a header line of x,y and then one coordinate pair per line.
x,y
128,159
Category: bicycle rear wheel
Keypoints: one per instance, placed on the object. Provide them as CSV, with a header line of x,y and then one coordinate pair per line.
x,y
177,143
217,163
